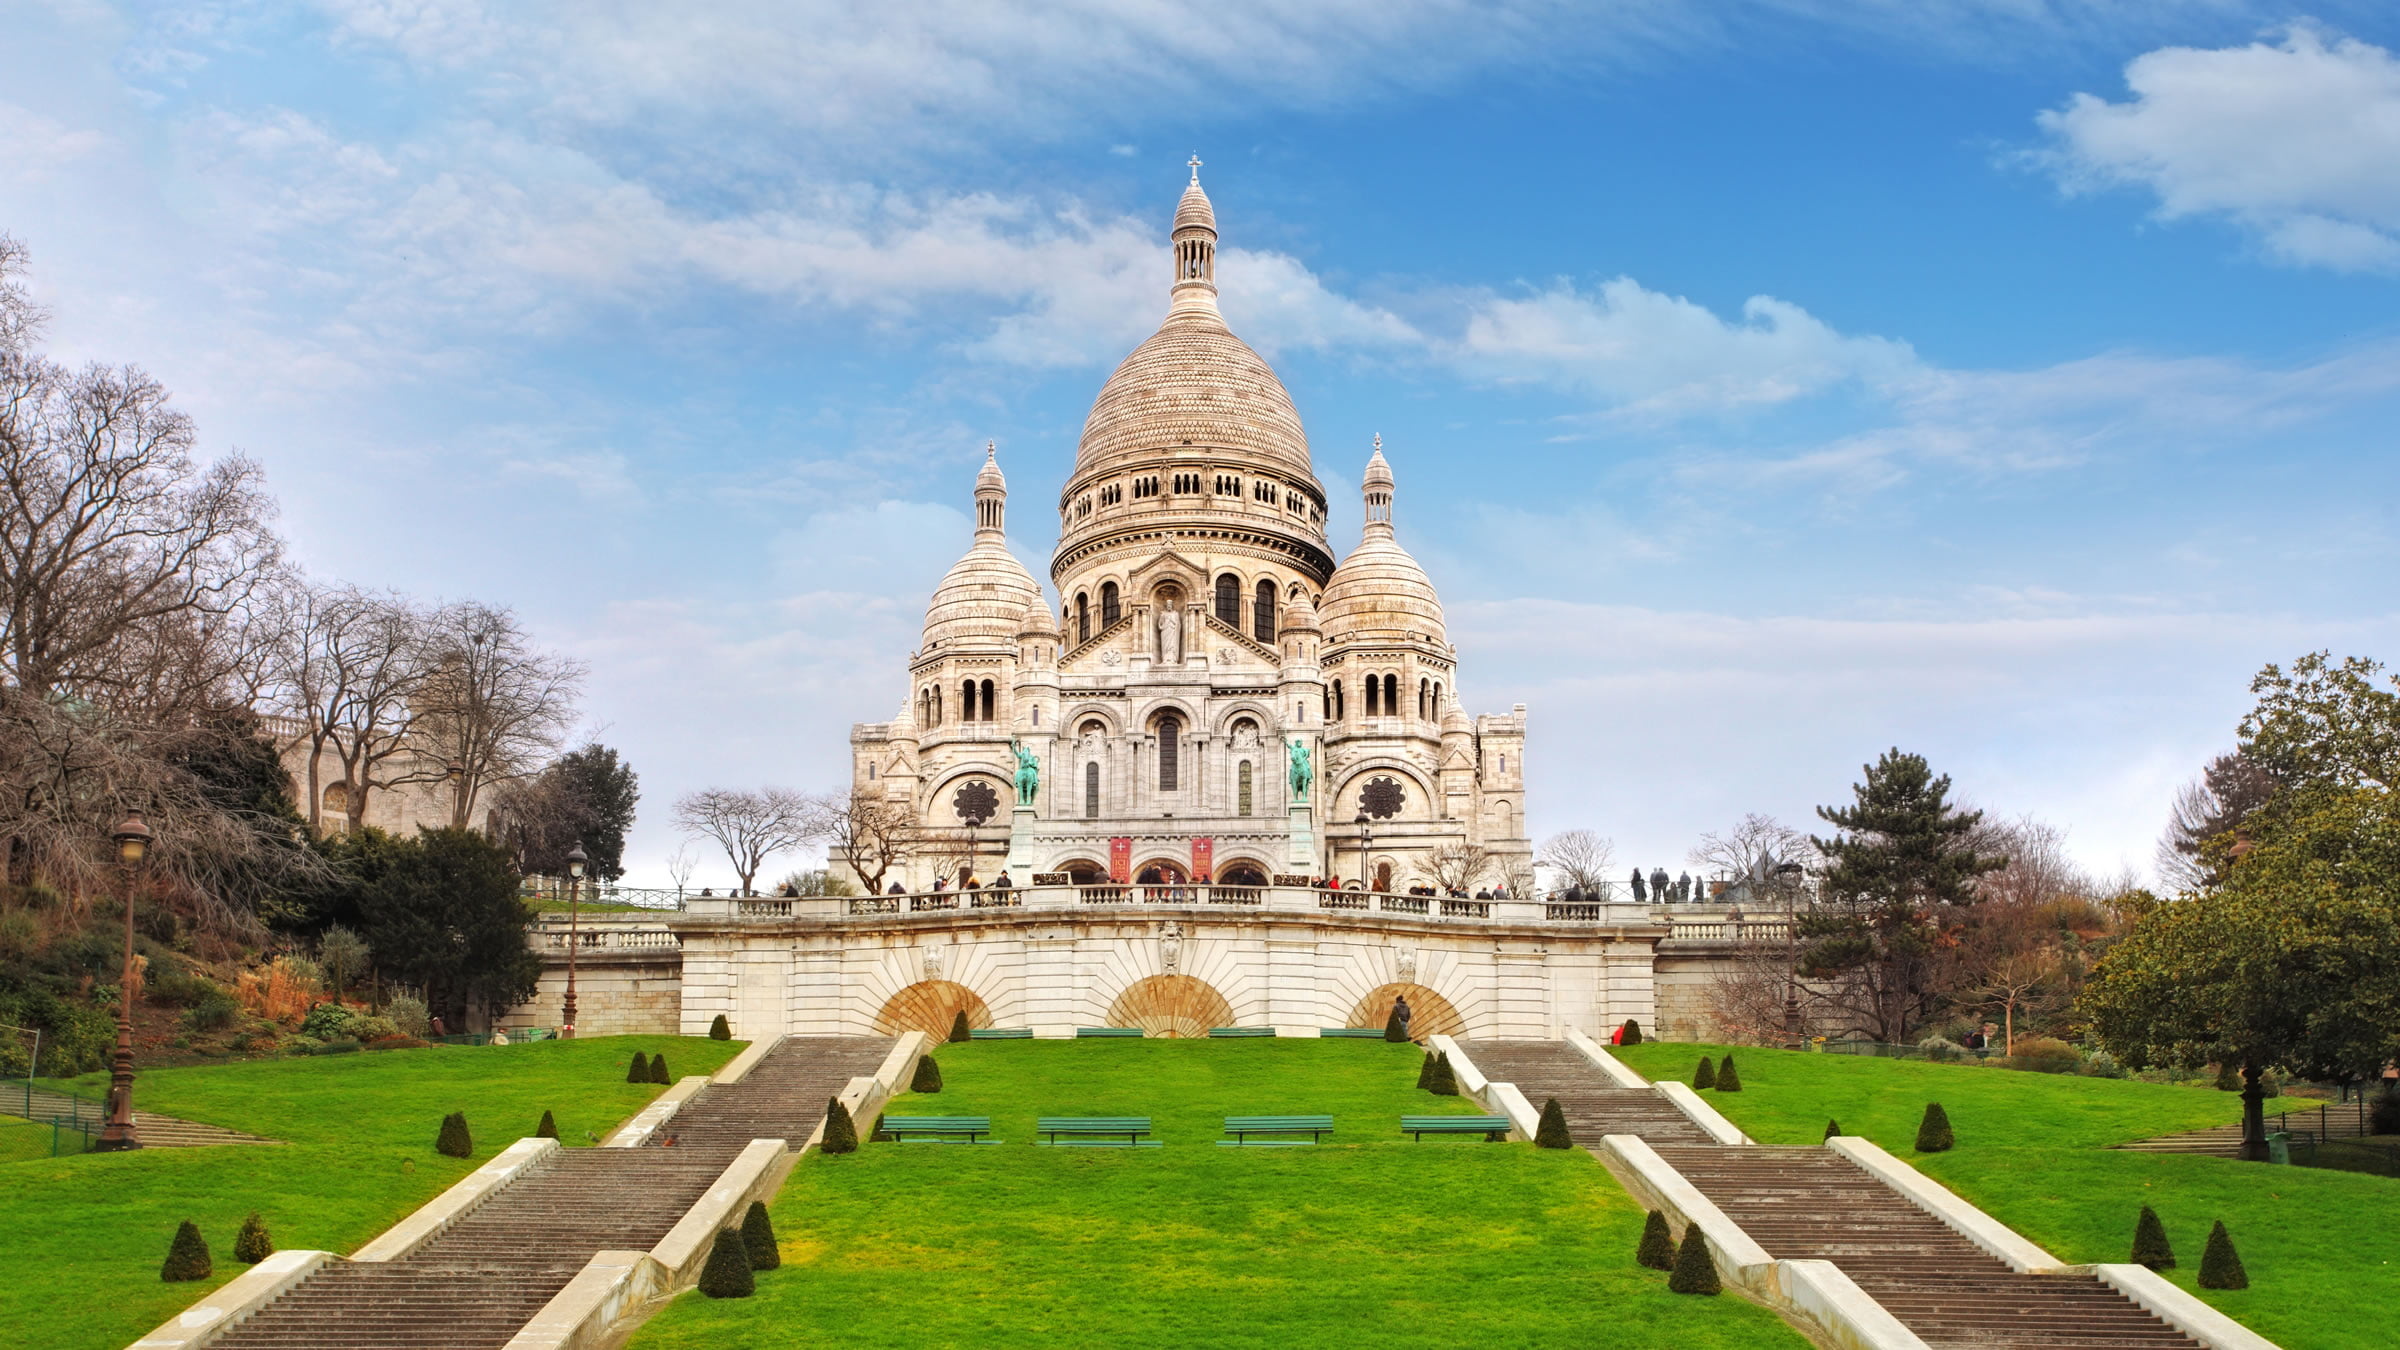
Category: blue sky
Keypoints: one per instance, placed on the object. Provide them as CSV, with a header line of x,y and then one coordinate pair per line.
x,y
1768,382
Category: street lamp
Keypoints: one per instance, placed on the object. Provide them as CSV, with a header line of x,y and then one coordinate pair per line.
x,y
133,840
575,862
1366,850
457,774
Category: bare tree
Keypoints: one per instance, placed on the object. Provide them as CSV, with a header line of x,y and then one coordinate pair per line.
x,y
1582,856
1517,877
865,832
2194,853
680,866
1459,866
492,706
343,665
1750,851
1751,997
750,826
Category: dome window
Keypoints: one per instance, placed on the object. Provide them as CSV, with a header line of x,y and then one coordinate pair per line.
x,y
1263,615
1229,600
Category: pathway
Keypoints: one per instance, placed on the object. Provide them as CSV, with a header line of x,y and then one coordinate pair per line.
x,y
154,1130
2333,1120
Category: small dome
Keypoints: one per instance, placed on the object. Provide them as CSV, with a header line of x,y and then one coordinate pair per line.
x,y
1037,621
1379,469
990,477
1299,615
982,598
1455,721
1194,212
1380,594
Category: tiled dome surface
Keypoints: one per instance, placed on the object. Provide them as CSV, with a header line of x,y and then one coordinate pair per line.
x,y
1194,381
982,598
1379,593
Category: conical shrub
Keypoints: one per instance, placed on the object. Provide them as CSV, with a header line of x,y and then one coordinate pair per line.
x,y
1552,1132
1832,1128
1425,1073
758,1234
2229,1077
252,1245
1933,1132
841,1133
719,1030
958,1028
187,1256
548,1129
1443,1081
639,1070
1394,1029
928,1077
1630,1033
454,1141
2150,1246
1706,1075
1695,1270
2220,1265
727,1274
1727,1079
1658,1242
658,1068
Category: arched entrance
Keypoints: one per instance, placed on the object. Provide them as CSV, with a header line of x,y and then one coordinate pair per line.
x,y
1429,1014
1171,1006
1160,872
931,1006
1084,872
1242,874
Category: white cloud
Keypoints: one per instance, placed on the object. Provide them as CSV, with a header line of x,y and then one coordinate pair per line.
x,y
33,147
2298,141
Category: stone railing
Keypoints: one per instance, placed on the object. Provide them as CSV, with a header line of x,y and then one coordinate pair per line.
x,y
1732,929
1193,895
610,933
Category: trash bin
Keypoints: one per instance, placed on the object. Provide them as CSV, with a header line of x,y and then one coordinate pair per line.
x,y
2279,1147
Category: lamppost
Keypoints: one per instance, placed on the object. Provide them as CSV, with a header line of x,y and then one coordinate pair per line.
x,y
133,840
1366,851
575,862
457,774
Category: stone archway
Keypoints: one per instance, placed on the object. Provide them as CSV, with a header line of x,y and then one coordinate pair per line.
x,y
1429,1013
1176,1007
931,1006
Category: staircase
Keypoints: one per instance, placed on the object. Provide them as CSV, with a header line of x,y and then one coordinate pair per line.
x,y
479,1282
1803,1203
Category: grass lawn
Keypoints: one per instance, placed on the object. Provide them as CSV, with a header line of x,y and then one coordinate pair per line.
x,y
2032,1151
1368,1241
82,1237
21,1139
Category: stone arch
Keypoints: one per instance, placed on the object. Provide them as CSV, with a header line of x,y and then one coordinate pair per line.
x,y
1177,1007
1226,714
931,1006
1419,804
1429,1013
1175,873
1084,871
1244,872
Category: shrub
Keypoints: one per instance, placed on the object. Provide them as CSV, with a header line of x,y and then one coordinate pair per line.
x,y
326,1021
727,1274
2150,1247
548,1129
928,1077
408,1013
1933,1132
841,1134
658,1068
1632,1033
1658,1243
2101,1064
1832,1128
373,1028
1727,1079
1552,1132
2385,1119
187,1256
453,1142
718,1030
1695,1270
2042,1054
958,1028
1393,1029
1425,1073
1942,1048
2220,1265
1706,1076
1443,1081
303,1045
213,1010
2229,1077
340,1045
758,1234
639,1070
252,1245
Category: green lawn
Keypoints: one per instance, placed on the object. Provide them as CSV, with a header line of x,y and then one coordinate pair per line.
x,y
1368,1241
359,1155
2032,1151
21,1139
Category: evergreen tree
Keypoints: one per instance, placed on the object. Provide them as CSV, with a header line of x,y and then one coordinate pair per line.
x,y
1833,1129
454,1142
1695,1270
1707,1075
548,1129
1632,1033
841,1134
928,1077
639,1070
187,1256
1552,1132
727,1274
1425,1073
758,1234
1443,1082
1394,1030
252,1245
959,1033
2150,1247
718,1030
1658,1243
1727,1079
658,1068
446,917
1933,1132
2220,1265
2229,1077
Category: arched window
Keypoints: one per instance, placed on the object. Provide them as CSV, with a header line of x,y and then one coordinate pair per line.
x,y
1424,700
1391,696
1037,714
870,773
1437,699
1229,600
966,701
1263,616
1170,736
1108,603
1083,617
1242,789
1374,694
1339,712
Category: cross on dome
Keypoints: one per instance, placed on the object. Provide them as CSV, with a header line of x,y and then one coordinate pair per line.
x,y
1194,162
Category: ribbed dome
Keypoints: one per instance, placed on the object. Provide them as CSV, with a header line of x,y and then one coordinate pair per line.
x,y
1380,594
1193,382
1037,621
1194,210
982,598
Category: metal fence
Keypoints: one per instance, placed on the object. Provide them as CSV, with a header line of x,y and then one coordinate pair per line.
x,y
2380,1159
74,1121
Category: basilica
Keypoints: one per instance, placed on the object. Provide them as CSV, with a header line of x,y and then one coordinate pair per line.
x,y
1213,699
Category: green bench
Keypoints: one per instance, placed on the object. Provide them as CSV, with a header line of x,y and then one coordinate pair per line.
x,y
1351,1033
1227,1033
1494,1128
936,1129
1095,1131
1001,1034
1242,1127
1095,1033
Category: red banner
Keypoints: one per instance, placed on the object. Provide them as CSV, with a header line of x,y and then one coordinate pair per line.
x,y
1204,857
1120,860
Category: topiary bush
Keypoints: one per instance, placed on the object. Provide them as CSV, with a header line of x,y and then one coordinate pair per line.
x,y
719,1030
1706,1075
639,1070
1727,1079
1552,1132
2044,1054
1833,1128
252,1245
2229,1077
727,1274
1631,1033
1425,1073
2150,1247
2220,1265
1933,1132
548,1129
841,1133
187,1256
1443,1082
1658,1243
1942,1048
1394,1030
928,1077
959,1033
758,1234
1695,1271
453,1141
658,1068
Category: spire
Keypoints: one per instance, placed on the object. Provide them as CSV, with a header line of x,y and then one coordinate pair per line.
x,y
1195,240
991,494
1376,486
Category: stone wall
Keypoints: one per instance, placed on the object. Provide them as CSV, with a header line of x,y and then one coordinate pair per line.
x,y
616,993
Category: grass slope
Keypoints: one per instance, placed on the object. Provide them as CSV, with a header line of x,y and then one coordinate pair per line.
x,y
360,1131
2033,1152
1367,1240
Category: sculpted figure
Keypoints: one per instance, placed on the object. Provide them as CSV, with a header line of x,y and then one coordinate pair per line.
x,y
1303,770
1029,772
1170,636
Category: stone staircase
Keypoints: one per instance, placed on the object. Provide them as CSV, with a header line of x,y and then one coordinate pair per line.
x,y
479,1282
1801,1203
154,1130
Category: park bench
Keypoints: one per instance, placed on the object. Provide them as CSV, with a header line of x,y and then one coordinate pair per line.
x,y
1095,1131
1095,1033
1227,1033
1494,1128
1351,1033
936,1129
1001,1034
1242,1127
